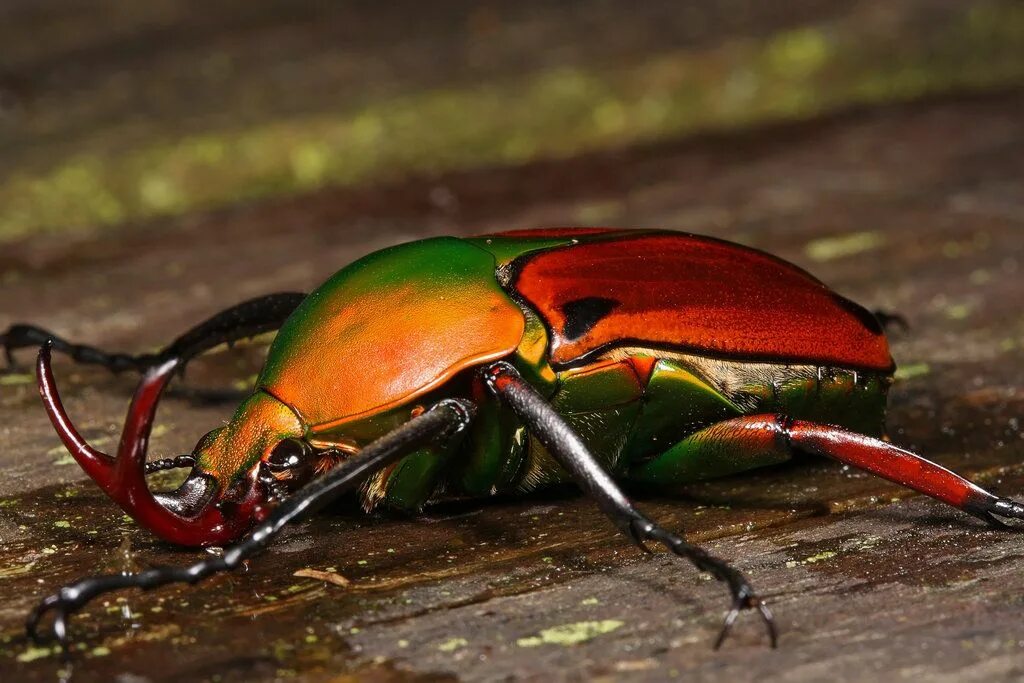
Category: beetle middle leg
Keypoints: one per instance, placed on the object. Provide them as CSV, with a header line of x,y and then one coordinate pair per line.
x,y
571,453
247,319
443,422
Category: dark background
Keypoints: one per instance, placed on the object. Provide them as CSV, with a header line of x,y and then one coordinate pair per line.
x,y
162,160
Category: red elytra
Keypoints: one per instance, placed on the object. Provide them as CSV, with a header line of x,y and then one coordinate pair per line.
x,y
697,294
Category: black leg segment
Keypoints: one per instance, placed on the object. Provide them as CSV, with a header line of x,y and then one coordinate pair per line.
x,y
441,422
571,453
891,321
247,319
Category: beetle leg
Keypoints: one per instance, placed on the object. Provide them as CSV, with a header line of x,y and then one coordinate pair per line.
x,y
442,422
247,319
891,321
893,463
571,453
759,439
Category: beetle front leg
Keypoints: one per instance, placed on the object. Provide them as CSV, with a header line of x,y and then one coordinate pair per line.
x,y
247,319
443,421
571,453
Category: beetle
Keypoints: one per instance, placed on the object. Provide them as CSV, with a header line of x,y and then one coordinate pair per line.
x,y
501,364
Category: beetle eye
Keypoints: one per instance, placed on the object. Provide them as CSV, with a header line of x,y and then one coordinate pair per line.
x,y
287,455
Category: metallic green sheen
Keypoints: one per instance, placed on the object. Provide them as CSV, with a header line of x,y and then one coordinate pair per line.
x,y
601,405
508,249
389,326
707,452
676,403
493,453
414,479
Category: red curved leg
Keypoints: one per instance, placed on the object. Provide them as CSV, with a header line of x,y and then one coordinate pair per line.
x,y
882,459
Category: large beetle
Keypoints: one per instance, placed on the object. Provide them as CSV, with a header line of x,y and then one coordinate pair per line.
x,y
500,364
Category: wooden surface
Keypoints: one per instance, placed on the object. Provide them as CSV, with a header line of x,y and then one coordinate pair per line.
x,y
916,208
929,194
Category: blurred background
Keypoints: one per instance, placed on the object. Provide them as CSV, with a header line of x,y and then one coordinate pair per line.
x,y
115,112
165,159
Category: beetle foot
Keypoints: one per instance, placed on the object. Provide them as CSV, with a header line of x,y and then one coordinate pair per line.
x,y
61,605
636,530
743,600
993,509
891,321
1004,507
641,529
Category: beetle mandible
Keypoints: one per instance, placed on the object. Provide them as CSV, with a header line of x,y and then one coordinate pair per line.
x,y
501,364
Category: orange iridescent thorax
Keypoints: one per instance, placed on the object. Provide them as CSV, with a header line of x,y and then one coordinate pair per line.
x,y
390,327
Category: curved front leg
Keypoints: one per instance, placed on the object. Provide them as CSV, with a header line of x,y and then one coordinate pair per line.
x,y
443,421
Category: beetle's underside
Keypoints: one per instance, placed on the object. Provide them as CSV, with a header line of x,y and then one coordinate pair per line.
x,y
505,363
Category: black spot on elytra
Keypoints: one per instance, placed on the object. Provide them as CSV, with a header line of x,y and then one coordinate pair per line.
x,y
582,314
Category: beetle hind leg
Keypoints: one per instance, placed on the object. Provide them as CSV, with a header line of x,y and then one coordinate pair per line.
x,y
897,465
754,440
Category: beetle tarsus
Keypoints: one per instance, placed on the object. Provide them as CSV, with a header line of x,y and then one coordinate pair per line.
x,y
993,509
176,462
743,595
29,336
739,604
247,319
890,320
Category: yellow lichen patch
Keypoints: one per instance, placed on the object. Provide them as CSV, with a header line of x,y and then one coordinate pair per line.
x,y
16,570
33,653
820,557
452,644
841,246
571,634
912,370
790,74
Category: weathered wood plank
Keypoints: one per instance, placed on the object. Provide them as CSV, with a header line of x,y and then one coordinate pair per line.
x,y
916,209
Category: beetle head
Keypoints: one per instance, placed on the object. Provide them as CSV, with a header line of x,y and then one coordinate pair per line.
x,y
222,496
